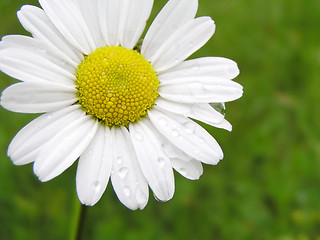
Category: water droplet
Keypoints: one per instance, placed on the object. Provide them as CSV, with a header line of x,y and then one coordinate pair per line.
x,y
123,172
175,133
141,197
49,116
184,73
162,121
189,127
119,160
139,137
96,185
219,107
63,62
183,171
41,48
127,191
161,161
195,67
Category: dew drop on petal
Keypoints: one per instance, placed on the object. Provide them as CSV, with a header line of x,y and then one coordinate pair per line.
x,y
139,137
195,66
183,171
163,122
123,172
189,127
119,160
127,191
140,196
175,133
161,162
96,185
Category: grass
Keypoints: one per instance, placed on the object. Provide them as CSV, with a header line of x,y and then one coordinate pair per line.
x,y
267,186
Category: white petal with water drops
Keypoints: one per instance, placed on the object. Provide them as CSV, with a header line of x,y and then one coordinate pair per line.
x,y
64,148
37,97
187,135
28,142
89,11
191,169
180,161
201,111
94,167
35,21
29,66
185,41
67,18
21,42
127,178
200,90
172,16
110,15
133,21
154,164
216,67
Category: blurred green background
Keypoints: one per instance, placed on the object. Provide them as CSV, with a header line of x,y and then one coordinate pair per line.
x,y
267,186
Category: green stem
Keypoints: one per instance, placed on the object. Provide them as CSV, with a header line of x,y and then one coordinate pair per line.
x,y
78,221
81,222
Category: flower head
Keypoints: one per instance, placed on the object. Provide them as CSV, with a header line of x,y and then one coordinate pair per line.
x,y
125,112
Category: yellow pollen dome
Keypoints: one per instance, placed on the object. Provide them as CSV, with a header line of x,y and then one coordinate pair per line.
x,y
116,85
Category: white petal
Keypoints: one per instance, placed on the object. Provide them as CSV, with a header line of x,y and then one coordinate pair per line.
x,y
191,169
185,41
30,44
89,11
199,111
110,15
28,66
180,161
64,148
224,124
133,21
173,15
200,90
187,135
25,146
217,67
127,178
154,164
37,97
94,167
67,18
35,21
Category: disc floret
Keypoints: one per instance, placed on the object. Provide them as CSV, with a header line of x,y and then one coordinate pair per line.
x,y
116,85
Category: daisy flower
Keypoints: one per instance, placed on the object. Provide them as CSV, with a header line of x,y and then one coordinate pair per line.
x,y
123,107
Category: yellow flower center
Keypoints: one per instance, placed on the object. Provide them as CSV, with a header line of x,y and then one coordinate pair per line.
x,y
116,85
